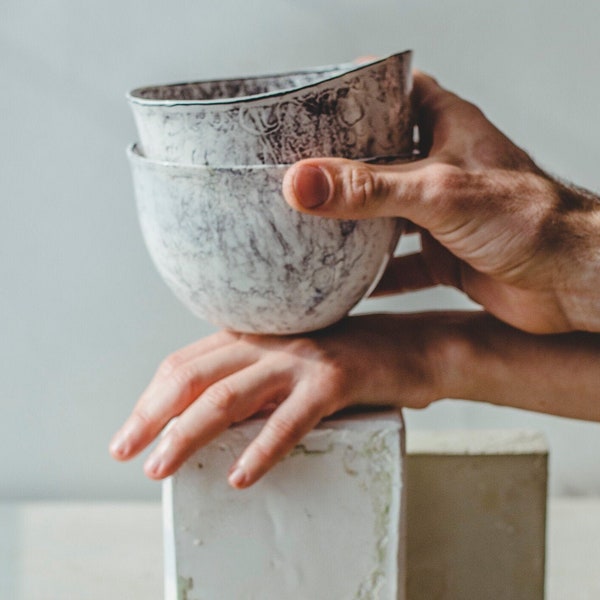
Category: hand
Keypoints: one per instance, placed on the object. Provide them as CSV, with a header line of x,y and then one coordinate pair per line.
x,y
299,380
523,245
393,360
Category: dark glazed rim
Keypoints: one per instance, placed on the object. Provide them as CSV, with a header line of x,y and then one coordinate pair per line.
x,y
337,71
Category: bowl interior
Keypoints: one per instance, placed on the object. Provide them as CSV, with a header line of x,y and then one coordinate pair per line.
x,y
234,88
246,88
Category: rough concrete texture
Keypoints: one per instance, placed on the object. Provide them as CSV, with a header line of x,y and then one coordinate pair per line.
x,y
326,524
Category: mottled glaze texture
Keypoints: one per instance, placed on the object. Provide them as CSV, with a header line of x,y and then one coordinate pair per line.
x,y
346,111
234,252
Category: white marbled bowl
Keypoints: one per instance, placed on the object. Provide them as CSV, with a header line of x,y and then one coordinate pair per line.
x,y
237,255
350,111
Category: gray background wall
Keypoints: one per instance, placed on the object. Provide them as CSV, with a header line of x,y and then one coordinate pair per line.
x,y
84,319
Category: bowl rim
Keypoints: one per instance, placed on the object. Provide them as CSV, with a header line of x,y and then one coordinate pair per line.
x,y
135,155
337,72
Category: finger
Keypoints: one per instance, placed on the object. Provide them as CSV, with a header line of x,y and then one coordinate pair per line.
x,y
403,274
366,58
443,117
126,442
434,265
428,193
347,189
227,401
200,347
421,85
417,190
175,387
455,129
180,366
424,85
292,420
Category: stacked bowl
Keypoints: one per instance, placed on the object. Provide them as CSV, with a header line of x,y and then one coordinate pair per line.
x,y
208,173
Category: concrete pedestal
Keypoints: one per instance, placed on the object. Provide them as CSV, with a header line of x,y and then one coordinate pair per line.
x,y
326,524
476,506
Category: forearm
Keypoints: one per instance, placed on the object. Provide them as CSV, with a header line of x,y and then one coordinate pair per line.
x,y
578,239
556,374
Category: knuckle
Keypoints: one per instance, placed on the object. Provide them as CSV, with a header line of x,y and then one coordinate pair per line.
x,y
179,439
337,382
143,417
221,397
360,187
302,347
170,365
177,371
184,380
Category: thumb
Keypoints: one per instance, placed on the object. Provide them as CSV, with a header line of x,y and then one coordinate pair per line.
x,y
347,189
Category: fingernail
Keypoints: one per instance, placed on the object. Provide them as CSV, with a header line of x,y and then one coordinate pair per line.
x,y
119,446
237,477
154,465
125,439
311,186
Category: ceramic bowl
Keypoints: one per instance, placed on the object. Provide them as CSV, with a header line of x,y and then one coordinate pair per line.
x,y
351,111
237,255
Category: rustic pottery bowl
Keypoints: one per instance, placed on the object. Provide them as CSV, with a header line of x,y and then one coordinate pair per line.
x,y
351,111
237,255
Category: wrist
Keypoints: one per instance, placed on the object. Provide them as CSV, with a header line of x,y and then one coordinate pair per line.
x,y
422,358
454,353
